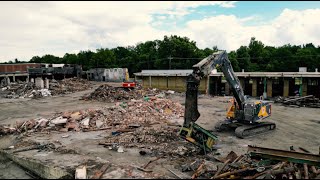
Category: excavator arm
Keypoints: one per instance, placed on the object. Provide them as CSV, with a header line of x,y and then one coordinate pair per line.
x,y
203,68
242,115
190,130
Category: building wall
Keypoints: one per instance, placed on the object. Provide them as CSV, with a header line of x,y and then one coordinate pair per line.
x,y
13,68
175,83
254,85
112,74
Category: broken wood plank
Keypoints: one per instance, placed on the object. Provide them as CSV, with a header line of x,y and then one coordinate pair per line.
x,y
220,170
232,173
26,149
145,166
174,173
198,171
304,150
142,169
98,174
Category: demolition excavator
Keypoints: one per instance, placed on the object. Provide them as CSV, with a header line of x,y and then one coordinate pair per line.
x,y
243,115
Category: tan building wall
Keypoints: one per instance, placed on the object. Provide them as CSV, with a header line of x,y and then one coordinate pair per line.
x,y
254,87
304,88
175,83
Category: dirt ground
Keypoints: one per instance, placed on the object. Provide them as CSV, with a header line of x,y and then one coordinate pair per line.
x,y
298,127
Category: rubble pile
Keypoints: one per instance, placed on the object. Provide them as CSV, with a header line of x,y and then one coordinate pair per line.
x,y
305,101
25,90
29,89
122,116
152,141
69,85
254,166
107,93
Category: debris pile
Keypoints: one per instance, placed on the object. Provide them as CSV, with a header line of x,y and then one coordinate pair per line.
x,y
29,89
259,163
69,85
107,93
305,101
25,90
153,141
122,116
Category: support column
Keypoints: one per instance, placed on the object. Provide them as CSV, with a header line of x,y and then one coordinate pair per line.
x,y
285,87
269,88
254,87
39,83
14,78
242,84
207,85
305,88
149,81
264,88
46,83
227,89
8,80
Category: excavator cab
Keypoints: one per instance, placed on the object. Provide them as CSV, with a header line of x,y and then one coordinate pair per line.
x,y
256,111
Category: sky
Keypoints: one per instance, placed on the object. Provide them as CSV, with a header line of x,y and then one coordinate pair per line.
x,y
57,27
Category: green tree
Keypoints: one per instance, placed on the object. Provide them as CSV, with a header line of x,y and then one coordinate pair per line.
x,y
35,59
233,60
255,51
48,58
104,58
70,59
85,59
243,58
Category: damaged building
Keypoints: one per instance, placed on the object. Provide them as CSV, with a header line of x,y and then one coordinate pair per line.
x,y
56,71
110,75
268,84
15,72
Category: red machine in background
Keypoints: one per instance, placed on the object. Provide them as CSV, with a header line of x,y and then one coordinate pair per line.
x,y
128,84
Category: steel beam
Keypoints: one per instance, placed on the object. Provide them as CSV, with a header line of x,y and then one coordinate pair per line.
x,y
291,156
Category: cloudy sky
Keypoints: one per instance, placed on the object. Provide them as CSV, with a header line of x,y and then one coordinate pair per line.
x,y
39,28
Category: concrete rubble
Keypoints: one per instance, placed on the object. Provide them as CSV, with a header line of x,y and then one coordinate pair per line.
x,y
69,85
141,121
30,90
107,93
123,115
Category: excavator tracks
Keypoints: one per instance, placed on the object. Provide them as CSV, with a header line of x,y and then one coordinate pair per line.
x,y
251,130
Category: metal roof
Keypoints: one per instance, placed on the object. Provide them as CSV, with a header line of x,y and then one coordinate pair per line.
x,y
186,72
171,72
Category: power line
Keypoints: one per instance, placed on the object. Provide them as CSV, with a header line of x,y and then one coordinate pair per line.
x,y
263,58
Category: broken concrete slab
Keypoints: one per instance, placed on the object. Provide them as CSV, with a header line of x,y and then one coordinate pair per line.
x,y
59,120
81,172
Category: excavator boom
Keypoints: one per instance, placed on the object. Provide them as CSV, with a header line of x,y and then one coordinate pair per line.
x,y
244,113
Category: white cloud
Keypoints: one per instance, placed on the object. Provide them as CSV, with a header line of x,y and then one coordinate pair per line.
x,y
38,28
230,32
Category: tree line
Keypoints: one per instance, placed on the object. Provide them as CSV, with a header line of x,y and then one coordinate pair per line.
x,y
175,52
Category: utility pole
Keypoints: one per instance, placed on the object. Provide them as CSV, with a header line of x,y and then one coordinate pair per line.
x,y
170,61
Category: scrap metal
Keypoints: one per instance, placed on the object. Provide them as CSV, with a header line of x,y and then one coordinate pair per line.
x,y
296,157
